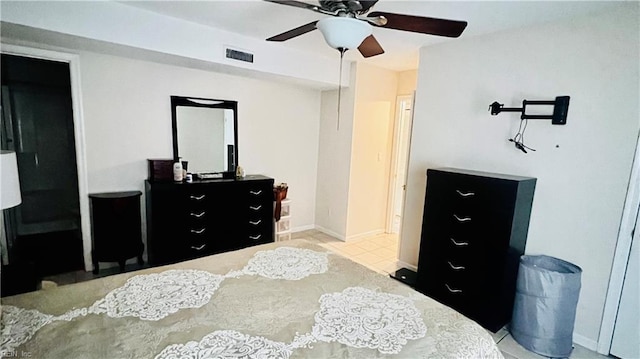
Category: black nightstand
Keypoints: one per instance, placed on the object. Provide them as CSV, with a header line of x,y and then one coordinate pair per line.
x,y
116,228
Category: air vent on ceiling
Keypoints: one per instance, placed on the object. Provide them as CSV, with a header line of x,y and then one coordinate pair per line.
x,y
238,55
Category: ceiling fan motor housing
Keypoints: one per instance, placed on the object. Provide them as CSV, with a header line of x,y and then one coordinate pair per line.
x,y
346,6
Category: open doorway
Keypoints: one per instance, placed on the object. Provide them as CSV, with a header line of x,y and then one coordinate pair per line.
x,y
400,158
38,124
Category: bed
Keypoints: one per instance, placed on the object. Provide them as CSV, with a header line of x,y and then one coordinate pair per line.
x,y
290,299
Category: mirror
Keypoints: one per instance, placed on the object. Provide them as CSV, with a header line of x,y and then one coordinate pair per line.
x,y
205,134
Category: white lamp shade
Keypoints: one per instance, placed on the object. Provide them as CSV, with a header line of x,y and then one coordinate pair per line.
x,y
9,182
343,32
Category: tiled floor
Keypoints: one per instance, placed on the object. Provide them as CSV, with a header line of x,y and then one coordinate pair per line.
x,y
380,254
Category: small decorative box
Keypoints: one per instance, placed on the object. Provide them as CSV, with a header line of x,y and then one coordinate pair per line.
x,y
160,170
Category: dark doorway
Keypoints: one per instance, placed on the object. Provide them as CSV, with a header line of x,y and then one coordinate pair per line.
x,y
37,123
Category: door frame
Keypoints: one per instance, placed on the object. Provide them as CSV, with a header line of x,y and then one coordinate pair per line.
x,y
393,182
78,128
621,257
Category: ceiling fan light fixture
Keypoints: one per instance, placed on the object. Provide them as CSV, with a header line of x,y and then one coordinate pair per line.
x,y
343,32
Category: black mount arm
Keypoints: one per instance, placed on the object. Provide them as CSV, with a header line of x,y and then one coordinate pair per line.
x,y
560,109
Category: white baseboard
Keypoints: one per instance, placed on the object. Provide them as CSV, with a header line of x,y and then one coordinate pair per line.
x,y
336,235
302,228
410,266
330,232
585,342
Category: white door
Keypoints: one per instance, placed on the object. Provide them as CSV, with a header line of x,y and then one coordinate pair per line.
x,y
621,321
626,340
402,137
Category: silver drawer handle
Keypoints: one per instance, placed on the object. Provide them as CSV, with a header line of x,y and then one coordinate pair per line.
x,y
255,223
198,215
459,244
255,193
198,198
453,290
199,248
198,231
255,237
455,267
463,219
465,194
255,208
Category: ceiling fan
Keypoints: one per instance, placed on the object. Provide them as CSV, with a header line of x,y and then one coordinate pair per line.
x,y
350,25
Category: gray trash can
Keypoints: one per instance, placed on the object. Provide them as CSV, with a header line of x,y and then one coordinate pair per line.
x,y
544,310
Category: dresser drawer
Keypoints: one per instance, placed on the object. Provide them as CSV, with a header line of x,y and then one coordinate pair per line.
x,y
198,247
455,296
465,197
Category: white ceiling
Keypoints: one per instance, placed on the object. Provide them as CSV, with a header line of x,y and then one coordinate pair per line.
x,y
260,20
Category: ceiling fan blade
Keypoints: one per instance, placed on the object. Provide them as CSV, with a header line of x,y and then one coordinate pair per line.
x,y
421,24
370,47
294,32
299,4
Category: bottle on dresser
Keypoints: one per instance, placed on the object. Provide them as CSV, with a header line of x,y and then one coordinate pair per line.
x,y
177,170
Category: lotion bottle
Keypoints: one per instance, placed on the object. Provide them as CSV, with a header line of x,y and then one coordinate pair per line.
x,y
177,171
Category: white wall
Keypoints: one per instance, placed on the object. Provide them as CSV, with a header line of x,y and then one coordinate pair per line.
x,y
375,98
334,159
127,117
407,82
582,168
354,157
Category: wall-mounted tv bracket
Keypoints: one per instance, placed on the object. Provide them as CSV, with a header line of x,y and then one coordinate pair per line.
x,y
559,117
560,109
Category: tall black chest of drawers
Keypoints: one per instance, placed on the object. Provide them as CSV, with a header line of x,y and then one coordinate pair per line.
x,y
190,220
474,230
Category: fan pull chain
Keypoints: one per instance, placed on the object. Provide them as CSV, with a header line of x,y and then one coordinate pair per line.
x,y
342,51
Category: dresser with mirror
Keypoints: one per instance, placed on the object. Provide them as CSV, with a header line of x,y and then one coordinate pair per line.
x,y
218,212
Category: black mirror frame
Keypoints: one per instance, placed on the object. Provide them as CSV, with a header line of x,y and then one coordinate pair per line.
x,y
223,104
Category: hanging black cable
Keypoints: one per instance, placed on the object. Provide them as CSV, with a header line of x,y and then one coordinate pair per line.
x,y
342,51
518,139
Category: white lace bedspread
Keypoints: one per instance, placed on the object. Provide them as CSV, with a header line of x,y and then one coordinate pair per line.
x,y
281,300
